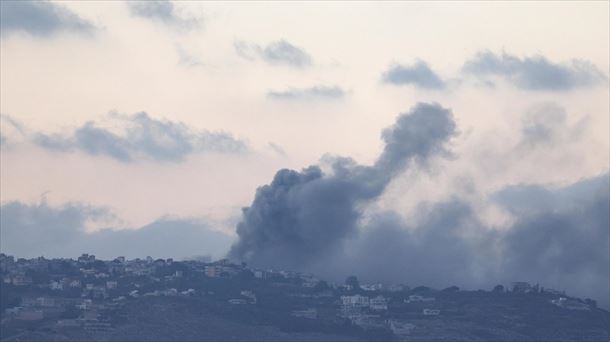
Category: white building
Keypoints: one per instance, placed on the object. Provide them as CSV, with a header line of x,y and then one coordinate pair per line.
x,y
418,298
355,301
378,303
431,312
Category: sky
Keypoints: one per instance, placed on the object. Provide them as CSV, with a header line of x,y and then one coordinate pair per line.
x,y
290,134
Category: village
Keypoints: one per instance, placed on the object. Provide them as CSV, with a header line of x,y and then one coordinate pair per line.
x,y
91,296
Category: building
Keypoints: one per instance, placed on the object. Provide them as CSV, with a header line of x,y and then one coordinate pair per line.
x,y
86,258
521,287
29,315
56,286
400,328
111,284
418,298
311,313
68,323
46,302
372,287
211,271
431,312
570,304
378,303
22,280
250,295
398,288
355,301
368,321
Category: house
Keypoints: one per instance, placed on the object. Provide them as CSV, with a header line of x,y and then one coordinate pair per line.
x,y
46,302
120,259
570,304
372,287
250,295
356,301
56,286
28,314
111,284
68,323
311,313
86,258
521,287
170,292
259,274
398,288
400,328
22,280
418,298
75,283
211,271
378,303
188,292
309,282
85,304
368,321
90,315
554,292
431,312
13,311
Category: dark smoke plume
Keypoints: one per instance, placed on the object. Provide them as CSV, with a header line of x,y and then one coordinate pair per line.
x,y
301,216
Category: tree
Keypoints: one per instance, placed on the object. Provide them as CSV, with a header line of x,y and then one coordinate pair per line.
x,y
498,289
452,289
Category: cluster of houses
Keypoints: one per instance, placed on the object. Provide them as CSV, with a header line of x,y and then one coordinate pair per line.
x,y
91,288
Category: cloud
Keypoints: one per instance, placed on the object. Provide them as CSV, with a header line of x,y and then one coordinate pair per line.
x,y
40,18
418,74
11,131
32,230
143,137
536,72
301,216
316,92
275,53
277,149
187,59
162,11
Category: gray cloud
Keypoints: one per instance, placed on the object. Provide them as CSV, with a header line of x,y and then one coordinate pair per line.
x,y
187,59
39,18
162,11
32,230
536,72
143,137
315,92
301,216
11,131
543,124
275,53
418,74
